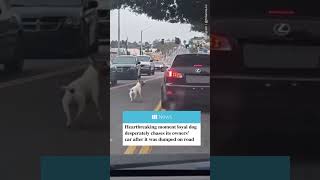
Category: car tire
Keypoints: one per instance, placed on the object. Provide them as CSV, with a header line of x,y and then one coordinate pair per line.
x,y
16,66
114,82
164,103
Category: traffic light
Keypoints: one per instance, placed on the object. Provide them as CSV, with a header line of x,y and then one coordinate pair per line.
x,y
162,41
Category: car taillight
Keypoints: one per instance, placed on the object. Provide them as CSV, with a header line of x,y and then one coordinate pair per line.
x,y
220,43
172,73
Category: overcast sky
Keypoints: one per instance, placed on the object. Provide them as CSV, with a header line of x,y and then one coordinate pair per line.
x,y
132,24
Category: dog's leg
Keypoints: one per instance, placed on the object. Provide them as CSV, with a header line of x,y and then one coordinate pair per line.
x,y
131,96
95,98
81,101
140,94
66,108
135,96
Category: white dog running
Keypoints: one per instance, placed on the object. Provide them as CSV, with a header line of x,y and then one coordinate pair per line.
x,y
80,91
136,90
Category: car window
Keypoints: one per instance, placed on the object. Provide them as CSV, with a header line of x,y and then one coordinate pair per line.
x,y
144,58
254,8
191,60
124,60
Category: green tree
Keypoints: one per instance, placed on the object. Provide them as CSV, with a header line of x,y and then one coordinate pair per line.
x,y
174,11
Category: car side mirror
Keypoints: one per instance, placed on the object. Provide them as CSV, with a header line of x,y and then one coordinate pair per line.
x,y
138,62
151,60
92,4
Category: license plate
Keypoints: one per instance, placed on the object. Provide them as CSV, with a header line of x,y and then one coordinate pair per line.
x,y
281,56
197,79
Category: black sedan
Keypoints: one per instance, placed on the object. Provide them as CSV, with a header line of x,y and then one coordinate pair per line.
x,y
10,39
124,68
187,82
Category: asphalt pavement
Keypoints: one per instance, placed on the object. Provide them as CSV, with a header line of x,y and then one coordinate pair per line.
x,y
33,123
119,102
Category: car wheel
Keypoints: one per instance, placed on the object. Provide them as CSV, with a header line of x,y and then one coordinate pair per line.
x,y
164,103
114,82
16,66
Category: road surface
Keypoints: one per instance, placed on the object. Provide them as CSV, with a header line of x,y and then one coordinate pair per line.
x,y
119,102
33,123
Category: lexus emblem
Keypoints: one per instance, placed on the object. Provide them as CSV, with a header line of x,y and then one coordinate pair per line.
x,y
282,29
198,70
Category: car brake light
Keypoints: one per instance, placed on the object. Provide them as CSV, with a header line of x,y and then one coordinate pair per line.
x,y
172,73
220,43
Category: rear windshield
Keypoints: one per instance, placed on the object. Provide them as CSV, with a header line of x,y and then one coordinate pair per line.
x,y
258,8
191,60
124,60
143,58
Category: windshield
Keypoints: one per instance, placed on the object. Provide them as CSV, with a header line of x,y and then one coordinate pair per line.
x,y
124,60
191,60
144,58
253,8
46,2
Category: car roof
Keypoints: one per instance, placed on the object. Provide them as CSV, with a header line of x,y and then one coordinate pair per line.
x,y
193,55
143,56
130,56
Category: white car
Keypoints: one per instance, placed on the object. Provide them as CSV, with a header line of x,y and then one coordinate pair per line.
x,y
159,65
146,64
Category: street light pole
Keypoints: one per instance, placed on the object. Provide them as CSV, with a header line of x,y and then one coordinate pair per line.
x,y
141,39
118,30
141,44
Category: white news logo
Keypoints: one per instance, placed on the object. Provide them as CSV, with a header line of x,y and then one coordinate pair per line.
x,y
154,117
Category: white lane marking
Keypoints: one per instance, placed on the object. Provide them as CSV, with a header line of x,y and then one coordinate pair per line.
x,y
40,77
132,83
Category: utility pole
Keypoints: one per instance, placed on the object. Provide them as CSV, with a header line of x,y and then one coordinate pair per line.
x,y
119,29
141,39
141,44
